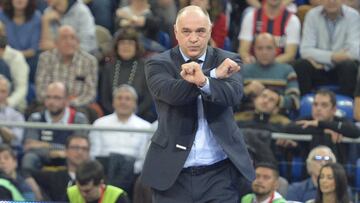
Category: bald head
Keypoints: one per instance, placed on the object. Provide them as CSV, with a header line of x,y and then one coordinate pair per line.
x,y
265,49
57,87
67,42
66,30
192,11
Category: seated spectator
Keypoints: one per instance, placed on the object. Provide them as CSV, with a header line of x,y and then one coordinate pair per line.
x,y
264,186
90,186
9,189
329,48
324,126
55,183
21,17
138,14
357,100
266,72
8,164
218,19
274,18
110,143
265,114
306,189
19,71
12,136
42,145
333,185
166,11
126,67
73,13
70,65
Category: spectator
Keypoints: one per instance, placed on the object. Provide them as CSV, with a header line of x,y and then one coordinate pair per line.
x,y
126,67
306,189
43,145
73,13
103,12
329,48
303,9
134,145
23,29
11,136
90,186
274,18
55,183
19,71
218,19
166,11
267,72
264,186
8,189
324,126
332,185
138,14
8,164
357,100
70,65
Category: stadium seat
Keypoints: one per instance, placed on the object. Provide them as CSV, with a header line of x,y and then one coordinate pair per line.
x,y
344,106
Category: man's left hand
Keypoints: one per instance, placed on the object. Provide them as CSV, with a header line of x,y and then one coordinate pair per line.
x,y
335,137
227,68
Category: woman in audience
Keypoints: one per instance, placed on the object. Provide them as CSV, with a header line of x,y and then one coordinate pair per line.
x,y
332,185
126,66
23,27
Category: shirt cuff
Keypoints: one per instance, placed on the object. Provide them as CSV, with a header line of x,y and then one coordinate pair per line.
x,y
206,87
213,73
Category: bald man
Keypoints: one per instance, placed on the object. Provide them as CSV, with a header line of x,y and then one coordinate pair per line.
x,y
197,153
42,145
267,73
70,65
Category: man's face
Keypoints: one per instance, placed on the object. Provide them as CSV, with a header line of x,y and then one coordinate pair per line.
x,y
320,158
322,109
265,182
7,163
67,42
193,31
124,103
89,191
77,151
332,7
267,101
265,50
55,100
4,92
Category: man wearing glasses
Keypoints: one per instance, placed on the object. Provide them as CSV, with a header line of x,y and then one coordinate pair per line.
x,y
306,189
55,183
41,146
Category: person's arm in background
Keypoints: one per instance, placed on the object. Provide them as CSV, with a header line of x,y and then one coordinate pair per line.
x,y
357,108
43,75
292,32
291,98
47,40
246,38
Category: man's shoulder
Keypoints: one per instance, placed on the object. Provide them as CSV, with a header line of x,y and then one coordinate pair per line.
x,y
37,117
80,118
164,56
105,120
299,186
85,55
140,122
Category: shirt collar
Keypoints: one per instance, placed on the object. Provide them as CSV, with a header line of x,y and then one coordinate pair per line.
x,y
202,57
337,18
64,119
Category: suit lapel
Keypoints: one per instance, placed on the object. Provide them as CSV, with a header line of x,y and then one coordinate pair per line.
x,y
210,60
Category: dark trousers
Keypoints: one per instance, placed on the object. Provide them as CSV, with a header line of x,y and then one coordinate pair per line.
x,y
343,74
221,185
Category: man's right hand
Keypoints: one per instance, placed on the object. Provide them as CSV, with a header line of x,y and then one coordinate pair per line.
x,y
340,56
51,16
192,73
226,69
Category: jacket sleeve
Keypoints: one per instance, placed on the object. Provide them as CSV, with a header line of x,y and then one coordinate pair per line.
x,y
346,128
164,85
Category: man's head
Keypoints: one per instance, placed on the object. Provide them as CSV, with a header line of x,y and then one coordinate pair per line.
x,y
267,101
89,179
332,7
77,150
67,41
192,31
265,48
4,89
124,100
56,98
318,157
59,6
324,105
266,181
8,161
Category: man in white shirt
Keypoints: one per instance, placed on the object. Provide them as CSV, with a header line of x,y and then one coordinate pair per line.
x,y
128,144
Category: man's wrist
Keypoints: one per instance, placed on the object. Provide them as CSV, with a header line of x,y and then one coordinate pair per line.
x,y
202,84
